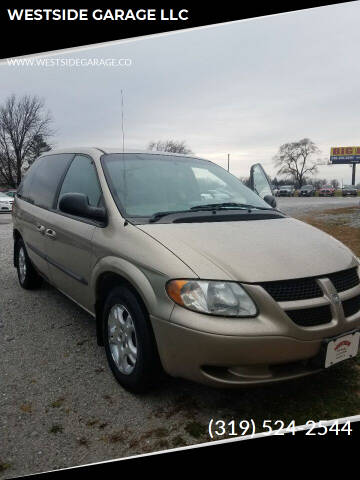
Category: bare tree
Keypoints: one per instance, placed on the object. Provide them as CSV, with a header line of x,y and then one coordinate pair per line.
x,y
24,129
295,159
39,146
320,182
335,183
245,181
173,146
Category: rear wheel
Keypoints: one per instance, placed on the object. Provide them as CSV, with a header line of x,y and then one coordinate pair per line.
x,y
27,275
129,341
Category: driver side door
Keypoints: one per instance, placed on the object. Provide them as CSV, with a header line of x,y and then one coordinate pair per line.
x,y
69,238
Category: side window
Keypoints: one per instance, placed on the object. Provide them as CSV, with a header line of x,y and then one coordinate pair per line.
x,y
41,181
81,178
24,191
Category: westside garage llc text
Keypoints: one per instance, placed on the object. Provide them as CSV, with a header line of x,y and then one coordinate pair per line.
x,y
84,14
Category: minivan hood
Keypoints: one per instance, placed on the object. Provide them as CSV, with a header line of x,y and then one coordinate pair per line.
x,y
253,251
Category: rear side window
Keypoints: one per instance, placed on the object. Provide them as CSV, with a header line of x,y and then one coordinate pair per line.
x,y
41,182
82,178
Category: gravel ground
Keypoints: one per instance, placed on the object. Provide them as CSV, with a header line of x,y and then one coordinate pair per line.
x,y
59,404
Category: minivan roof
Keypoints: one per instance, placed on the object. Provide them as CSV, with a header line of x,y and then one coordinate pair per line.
x,y
103,150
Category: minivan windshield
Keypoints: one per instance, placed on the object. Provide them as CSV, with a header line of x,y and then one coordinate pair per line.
x,y
145,184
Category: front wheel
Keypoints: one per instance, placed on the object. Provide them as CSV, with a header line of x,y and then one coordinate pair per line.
x,y
129,341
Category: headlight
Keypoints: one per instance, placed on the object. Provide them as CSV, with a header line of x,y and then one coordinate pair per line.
x,y
225,299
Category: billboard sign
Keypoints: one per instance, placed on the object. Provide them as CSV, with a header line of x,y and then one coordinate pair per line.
x,y
339,155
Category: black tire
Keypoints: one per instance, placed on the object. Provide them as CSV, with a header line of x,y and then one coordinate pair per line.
x,y
146,371
27,275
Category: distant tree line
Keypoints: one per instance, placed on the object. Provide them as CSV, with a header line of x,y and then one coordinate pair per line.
x,y
173,146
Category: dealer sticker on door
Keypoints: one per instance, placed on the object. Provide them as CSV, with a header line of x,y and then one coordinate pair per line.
x,y
342,348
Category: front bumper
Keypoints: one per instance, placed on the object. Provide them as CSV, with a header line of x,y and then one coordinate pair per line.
x,y
228,361
5,208
225,352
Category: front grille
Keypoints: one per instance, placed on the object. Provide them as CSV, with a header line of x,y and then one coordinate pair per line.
x,y
309,317
305,288
351,306
345,279
288,290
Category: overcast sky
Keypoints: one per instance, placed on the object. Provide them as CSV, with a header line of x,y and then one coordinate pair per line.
x,y
242,88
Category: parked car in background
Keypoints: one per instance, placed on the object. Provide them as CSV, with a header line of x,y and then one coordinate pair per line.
x,y
275,190
287,191
307,191
349,190
11,193
327,191
6,203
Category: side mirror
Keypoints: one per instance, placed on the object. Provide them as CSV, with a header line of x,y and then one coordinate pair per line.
x,y
78,204
271,200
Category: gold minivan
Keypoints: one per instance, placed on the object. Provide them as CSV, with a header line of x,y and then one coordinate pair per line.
x,y
185,269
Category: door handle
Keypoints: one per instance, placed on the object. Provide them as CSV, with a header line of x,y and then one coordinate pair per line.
x,y
40,228
50,233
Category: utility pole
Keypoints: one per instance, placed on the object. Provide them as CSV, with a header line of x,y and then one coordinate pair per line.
x,y
228,162
353,173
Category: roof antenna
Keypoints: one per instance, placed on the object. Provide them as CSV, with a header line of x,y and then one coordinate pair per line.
x,y
123,147
122,120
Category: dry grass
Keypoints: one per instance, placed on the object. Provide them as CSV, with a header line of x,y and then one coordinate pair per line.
x,y
26,407
83,441
159,435
56,429
57,403
4,466
339,229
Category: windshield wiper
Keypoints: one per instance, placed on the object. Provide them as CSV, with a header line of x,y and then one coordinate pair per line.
x,y
156,216
210,206
225,205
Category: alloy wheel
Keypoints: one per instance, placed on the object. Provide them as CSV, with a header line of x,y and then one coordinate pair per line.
x,y
22,265
122,339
